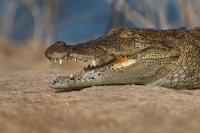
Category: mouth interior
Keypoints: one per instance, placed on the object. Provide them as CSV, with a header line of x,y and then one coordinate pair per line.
x,y
123,62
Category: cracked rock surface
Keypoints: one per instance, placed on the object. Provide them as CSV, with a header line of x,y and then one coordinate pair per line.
x,y
27,104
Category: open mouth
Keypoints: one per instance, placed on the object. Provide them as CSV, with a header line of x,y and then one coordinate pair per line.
x,y
103,68
93,71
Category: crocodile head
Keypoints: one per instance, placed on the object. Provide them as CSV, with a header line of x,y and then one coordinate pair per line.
x,y
138,56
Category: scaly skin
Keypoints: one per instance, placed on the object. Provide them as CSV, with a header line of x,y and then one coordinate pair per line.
x,y
167,58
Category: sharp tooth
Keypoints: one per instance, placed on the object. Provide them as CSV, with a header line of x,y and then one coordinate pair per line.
x,y
60,61
75,59
85,62
66,58
71,76
93,62
49,60
55,60
60,82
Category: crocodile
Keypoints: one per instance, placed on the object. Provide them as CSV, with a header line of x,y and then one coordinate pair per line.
x,y
167,58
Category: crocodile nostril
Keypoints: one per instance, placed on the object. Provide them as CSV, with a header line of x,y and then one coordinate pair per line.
x,y
60,43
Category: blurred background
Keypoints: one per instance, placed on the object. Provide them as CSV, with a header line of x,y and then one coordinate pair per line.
x,y
27,27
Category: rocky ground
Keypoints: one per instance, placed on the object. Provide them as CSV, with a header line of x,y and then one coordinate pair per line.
x,y
27,104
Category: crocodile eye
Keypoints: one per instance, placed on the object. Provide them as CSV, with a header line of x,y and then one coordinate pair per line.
x,y
127,34
115,30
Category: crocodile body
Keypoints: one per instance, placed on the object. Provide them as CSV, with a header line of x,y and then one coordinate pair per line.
x,y
167,58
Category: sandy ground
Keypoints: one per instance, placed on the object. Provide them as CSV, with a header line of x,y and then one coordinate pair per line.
x,y
27,104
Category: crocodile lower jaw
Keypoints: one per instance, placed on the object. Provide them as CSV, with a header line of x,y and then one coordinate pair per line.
x,y
91,72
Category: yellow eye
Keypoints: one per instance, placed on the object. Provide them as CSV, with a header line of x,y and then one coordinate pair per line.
x,y
115,30
127,34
